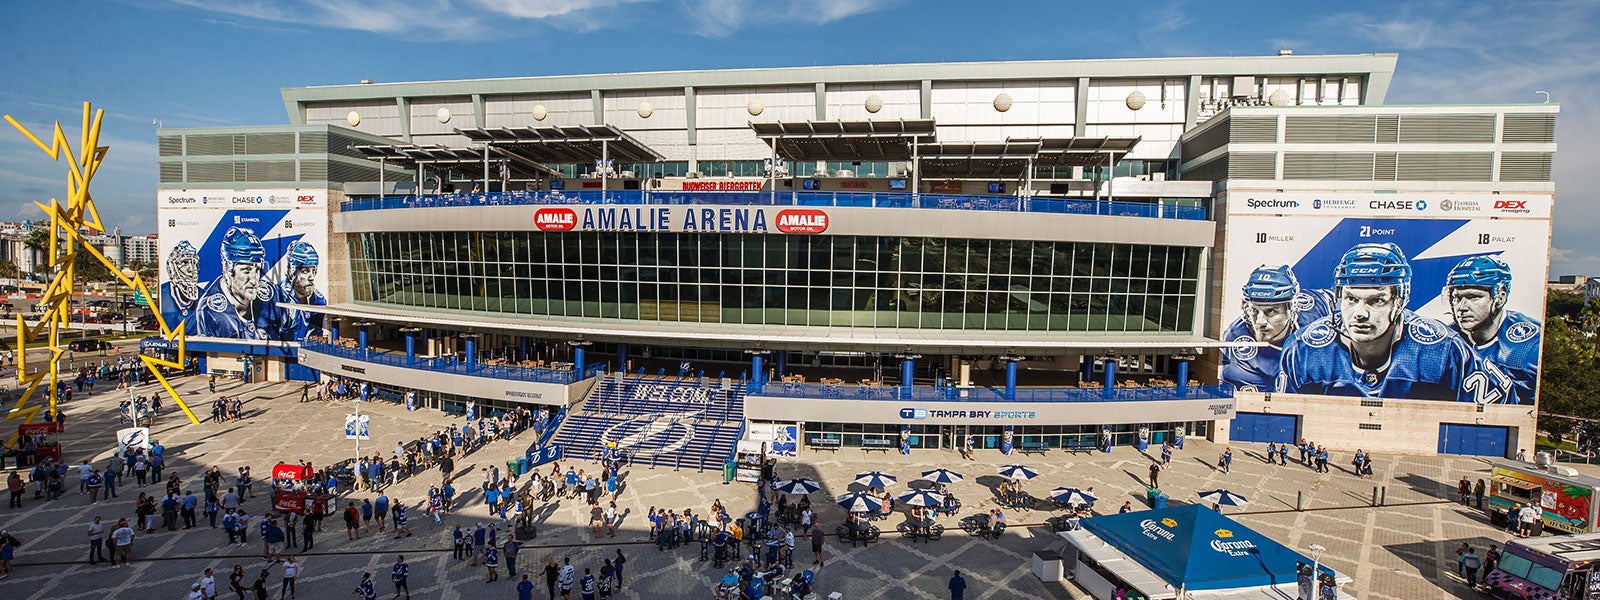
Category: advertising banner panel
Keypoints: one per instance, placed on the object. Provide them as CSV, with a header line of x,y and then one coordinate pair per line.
x,y
1406,307
234,265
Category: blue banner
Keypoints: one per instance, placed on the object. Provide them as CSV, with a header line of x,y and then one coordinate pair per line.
x,y
547,454
1005,441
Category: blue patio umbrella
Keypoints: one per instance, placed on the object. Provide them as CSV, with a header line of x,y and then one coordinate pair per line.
x,y
1018,472
1223,498
876,479
796,486
922,498
860,502
941,476
1072,496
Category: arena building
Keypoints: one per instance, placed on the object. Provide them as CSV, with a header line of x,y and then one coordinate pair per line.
x,y
1030,255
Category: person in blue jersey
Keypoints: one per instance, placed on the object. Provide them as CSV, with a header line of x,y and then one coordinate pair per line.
x,y
1477,289
300,287
1274,307
183,282
1372,346
237,304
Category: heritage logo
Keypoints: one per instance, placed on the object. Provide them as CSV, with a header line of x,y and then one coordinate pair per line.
x,y
555,219
802,221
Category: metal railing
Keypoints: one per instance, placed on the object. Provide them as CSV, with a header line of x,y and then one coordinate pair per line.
x,y
1037,204
988,394
450,365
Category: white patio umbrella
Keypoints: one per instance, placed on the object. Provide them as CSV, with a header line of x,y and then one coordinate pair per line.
x,y
922,498
942,476
797,486
1072,496
876,479
1018,472
860,502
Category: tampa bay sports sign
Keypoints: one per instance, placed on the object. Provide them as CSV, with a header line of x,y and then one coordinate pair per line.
x,y
683,219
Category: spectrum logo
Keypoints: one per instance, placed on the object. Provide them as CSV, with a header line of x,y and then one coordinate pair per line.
x,y
555,219
1272,203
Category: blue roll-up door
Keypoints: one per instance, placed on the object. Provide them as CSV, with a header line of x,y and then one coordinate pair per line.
x,y
299,372
1263,427
1474,440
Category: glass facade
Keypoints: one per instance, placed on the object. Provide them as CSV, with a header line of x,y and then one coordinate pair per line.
x,y
834,281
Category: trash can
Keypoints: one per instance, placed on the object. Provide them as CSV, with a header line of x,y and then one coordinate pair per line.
x,y
511,468
1160,501
727,472
523,465
1150,496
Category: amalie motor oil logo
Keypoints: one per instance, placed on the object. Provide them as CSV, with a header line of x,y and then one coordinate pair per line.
x,y
802,221
555,219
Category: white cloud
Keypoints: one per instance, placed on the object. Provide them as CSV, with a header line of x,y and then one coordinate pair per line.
x,y
721,18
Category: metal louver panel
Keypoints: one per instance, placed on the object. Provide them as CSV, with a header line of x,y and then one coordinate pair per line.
x,y
1212,138
314,170
1384,166
340,145
241,171
1388,129
1211,170
270,170
210,172
1529,128
1254,129
269,143
170,145
1334,166
1435,129
1525,166
171,172
1252,165
1355,129
313,142
1444,166
341,173
210,145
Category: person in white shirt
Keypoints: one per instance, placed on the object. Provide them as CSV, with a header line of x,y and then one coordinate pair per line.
x,y
123,537
97,540
291,570
1525,518
195,593
208,586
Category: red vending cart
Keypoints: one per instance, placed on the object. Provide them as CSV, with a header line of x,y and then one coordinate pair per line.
x,y
49,448
289,487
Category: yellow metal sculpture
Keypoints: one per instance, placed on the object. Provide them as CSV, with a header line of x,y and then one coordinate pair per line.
x,y
67,223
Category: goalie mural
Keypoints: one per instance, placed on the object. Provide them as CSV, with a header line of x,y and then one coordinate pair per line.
x,y
1404,308
246,273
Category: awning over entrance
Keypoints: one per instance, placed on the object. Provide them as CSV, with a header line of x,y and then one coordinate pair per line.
x,y
845,140
561,144
1011,158
470,162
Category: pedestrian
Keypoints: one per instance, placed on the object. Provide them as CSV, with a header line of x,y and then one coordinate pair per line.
x,y
1469,564
97,540
491,561
291,570
616,567
816,544
364,589
208,586
236,581
1464,488
551,572
398,574
259,588
509,552
1477,492
8,551
957,587
123,538
460,549
1155,474
1127,507
308,525
569,575
586,585
525,588
352,521
15,485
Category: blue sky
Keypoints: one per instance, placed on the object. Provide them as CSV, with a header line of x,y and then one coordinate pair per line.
x,y
191,63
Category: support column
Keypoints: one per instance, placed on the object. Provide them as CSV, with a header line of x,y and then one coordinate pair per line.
x,y
622,357
605,167
758,372
471,340
577,357
1183,375
1087,368
1111,377
361,336
333,329
782,360
1011,374
522,348
908,368
411,342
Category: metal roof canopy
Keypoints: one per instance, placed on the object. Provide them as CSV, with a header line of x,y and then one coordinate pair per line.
x,y
844,140
564,144
1010,159
465,160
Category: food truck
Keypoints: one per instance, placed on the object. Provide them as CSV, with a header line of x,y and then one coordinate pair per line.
x,y
1548,568
1566,499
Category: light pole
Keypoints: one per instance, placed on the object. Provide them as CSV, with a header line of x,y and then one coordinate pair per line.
x,y
1316,570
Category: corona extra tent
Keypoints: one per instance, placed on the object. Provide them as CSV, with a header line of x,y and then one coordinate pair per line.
x,y
1186,552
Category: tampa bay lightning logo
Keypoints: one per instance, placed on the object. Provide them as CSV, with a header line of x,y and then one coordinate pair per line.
x,y
217,303
264,292
1244,353
133,438
1318,336
1522,332
1303,301
1425,332
1248,387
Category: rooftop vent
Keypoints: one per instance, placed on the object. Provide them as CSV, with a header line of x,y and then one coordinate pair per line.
x,y
1285,52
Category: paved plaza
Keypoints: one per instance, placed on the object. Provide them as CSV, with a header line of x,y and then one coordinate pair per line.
x,y
1404,550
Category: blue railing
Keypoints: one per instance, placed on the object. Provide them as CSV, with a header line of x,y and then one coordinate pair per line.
x,y
450,365
985,394
551,427
1039,204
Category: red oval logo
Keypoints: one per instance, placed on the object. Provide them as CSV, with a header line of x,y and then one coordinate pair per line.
x,y
555,219
808,220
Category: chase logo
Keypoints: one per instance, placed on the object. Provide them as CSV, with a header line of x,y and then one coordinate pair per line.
x,y
913,413
1422,205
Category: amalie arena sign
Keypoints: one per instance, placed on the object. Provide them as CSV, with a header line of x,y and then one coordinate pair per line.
x,y
682,219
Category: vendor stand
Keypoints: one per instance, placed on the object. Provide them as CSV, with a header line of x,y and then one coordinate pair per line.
x,y
46,448
750,456
289,487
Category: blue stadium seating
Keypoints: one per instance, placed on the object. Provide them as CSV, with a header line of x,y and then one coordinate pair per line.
x,y
661,421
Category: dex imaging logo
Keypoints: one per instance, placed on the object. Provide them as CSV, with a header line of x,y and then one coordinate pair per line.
x,y
913,413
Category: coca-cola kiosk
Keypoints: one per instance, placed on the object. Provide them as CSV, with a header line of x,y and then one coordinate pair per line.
x,y
48,448
289,483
